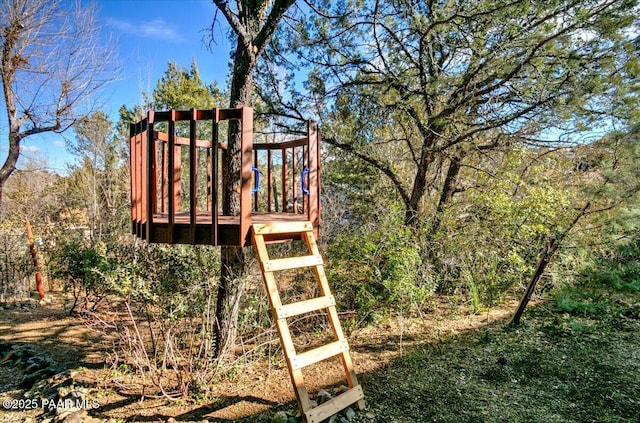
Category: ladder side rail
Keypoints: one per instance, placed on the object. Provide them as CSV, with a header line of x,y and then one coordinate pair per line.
x,y
284,334
334,319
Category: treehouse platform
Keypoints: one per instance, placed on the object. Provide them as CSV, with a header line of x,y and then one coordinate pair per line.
x,y
177,175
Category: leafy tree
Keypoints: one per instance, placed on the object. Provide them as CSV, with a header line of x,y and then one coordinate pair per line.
x,y
439,81
183,89
98,181
608,184
51,63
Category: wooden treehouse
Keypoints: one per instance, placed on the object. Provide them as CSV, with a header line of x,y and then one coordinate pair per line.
x,y
176,178
176,198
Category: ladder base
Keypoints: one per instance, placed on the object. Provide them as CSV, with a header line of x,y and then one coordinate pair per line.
x,y
335,405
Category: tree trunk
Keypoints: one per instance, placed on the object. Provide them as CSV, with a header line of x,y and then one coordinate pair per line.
x,y
34,257
413,207
419,184
253,25
545,259
9,165
230,291
232,259
448,189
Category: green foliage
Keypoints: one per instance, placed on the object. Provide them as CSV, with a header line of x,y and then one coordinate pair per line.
x,y
582,302
374,271
183,89
77,260
176,278
607,286
16,264
617,269
491,238
406,87
81,265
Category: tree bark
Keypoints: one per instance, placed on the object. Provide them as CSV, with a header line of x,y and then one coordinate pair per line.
x,y
544,261
34,257
552,246
232,259
253,28
446,194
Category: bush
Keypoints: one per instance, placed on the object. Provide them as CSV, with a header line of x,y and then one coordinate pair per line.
x,y
81,265
617,268
16,266
375,271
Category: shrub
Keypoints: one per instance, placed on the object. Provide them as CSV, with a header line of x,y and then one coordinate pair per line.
x,y
16,265
81,265
617,268
376,271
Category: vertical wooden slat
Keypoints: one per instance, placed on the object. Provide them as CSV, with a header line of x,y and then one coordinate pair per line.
x,y
209,174
163,178
269,196
139,180
177,181
172,175
285,172
153,155
294,188
132,178
313,211
147,150
305,165
245,187
256,196
214,177
193,177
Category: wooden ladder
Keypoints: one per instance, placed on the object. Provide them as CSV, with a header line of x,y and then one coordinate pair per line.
x,y
263,233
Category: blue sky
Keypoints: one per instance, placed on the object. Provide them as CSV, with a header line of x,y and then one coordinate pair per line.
x,y
152,33
147,34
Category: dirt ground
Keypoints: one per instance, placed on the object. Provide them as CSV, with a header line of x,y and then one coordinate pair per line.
x,y
262,387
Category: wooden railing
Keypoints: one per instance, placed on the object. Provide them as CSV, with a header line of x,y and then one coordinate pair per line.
x,y
176,177
292,168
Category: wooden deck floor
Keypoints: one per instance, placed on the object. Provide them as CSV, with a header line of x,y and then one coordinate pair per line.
x,y
204,218
202,233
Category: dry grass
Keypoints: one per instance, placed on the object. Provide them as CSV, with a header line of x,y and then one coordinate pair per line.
x,y
448,366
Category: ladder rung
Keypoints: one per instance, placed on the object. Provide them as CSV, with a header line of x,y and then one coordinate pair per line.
x,y
335,405
318,354
281,227
306,306
292,263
